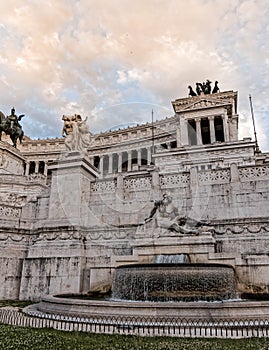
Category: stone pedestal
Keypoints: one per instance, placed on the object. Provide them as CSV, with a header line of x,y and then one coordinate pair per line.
x,y
11,160
71,181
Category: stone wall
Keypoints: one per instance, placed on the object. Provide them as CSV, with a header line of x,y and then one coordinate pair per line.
x,y
214,195
59,256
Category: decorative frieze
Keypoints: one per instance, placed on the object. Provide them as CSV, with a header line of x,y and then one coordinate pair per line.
x,y
175,180
79,236
36,177
13,199
13,237
214,176
138,184
254,173
64,236
107,235
8,211
253,227
103,186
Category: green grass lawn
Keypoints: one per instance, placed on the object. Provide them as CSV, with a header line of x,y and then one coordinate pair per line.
x,y
14,303
19,338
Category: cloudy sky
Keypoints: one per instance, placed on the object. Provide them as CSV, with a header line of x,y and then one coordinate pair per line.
x,y
116,60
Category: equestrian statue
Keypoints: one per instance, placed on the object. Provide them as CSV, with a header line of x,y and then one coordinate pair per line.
x,y
11,126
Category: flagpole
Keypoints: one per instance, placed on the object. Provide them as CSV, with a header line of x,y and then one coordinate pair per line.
x,y
152,136
253,122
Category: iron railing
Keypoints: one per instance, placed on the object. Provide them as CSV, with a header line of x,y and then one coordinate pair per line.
x,y
143,326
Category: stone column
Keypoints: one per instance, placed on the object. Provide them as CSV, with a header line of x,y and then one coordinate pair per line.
x,y
225,127
184,138
129,167
212,129
148,155
101,164
120,162
178,138
139,157
46,168
27,168
36,166
110,163
198,131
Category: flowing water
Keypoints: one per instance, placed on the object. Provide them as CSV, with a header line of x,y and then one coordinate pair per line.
x,y
174,282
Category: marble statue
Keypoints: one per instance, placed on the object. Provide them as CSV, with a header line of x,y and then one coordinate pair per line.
x,y
76,133
167,217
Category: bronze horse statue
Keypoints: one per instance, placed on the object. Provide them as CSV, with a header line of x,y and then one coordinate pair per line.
x,y
11,126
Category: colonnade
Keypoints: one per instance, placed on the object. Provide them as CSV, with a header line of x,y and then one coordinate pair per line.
x,y
123,161
196,131
36,167
205,130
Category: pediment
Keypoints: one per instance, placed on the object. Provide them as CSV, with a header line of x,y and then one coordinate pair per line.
x,y
203,103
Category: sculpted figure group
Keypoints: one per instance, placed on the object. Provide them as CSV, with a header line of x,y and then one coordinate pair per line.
x,y
76,133
167,217
11,126
203,88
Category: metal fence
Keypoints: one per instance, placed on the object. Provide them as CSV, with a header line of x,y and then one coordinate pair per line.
x,y
143,326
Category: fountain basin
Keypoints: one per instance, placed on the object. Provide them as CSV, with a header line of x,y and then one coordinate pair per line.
x,y
174,282
71,305
180,291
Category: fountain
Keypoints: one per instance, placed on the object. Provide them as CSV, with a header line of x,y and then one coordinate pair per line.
x,y
163,289
174,282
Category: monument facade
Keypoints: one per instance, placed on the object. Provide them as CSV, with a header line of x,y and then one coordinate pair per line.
x,y
73,209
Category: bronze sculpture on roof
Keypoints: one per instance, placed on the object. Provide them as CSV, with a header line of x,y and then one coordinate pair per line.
x,y
204,88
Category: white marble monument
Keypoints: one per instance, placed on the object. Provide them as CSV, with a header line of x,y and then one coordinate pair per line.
x,y
74,208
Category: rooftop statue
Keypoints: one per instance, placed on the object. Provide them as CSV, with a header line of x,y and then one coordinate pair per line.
x,y
76,133
216,88
203,88
191,92
11,126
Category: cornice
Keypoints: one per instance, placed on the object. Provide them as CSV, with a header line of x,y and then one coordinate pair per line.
x,y
205,101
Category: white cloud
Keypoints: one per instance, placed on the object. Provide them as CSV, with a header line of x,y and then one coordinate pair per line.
x,y
89,56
